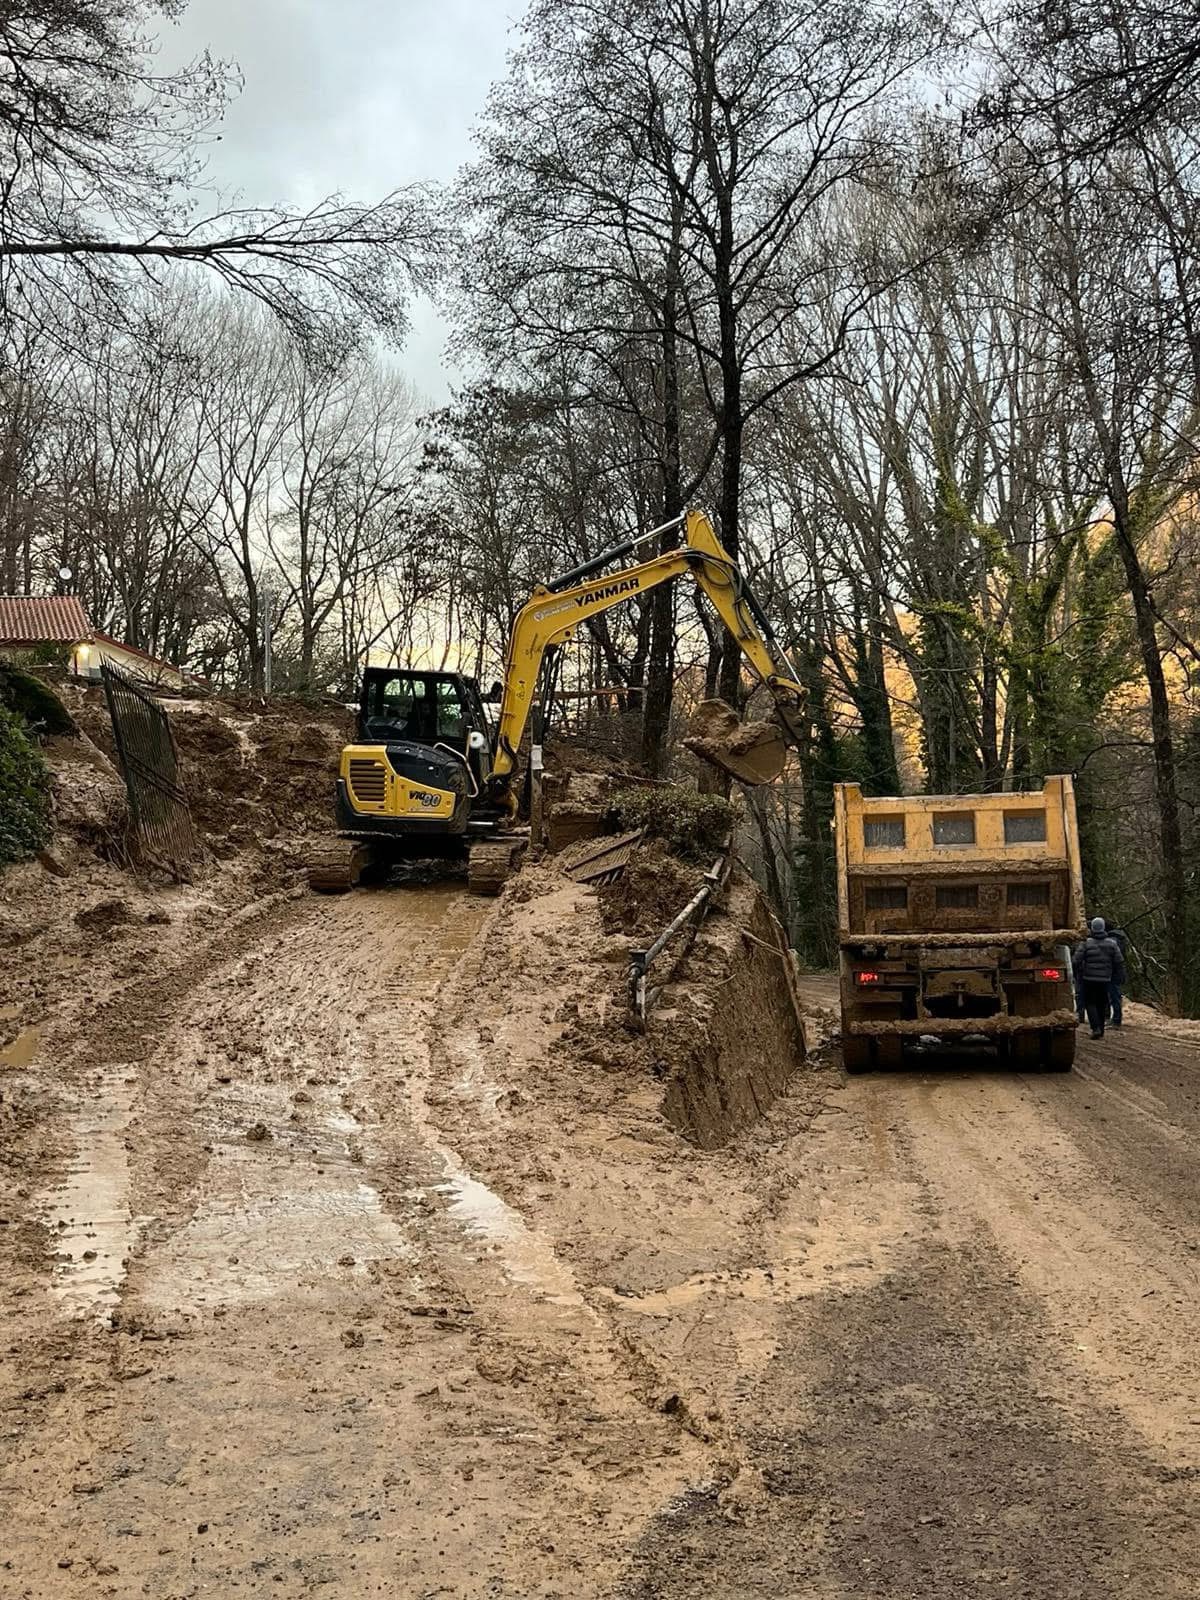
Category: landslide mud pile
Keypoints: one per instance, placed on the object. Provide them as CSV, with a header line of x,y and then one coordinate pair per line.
x,y
257,778
579,787
259,784
252,777
652,890
721,1044
729,1024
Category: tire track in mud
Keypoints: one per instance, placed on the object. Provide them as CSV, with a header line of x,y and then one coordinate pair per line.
x,y
909,1442
341,1361
77,1230
323,1370
1107,1259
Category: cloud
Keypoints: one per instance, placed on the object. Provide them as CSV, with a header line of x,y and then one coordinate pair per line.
x,y
350,96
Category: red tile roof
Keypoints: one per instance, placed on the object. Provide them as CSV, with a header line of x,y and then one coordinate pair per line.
x,y
42,619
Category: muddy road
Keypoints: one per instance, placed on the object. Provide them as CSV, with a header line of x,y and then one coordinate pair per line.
x,y
344,1253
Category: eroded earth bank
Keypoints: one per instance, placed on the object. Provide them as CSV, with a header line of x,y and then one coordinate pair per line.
x,y
356,1246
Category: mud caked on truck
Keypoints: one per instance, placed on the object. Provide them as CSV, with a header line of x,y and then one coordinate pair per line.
x,y
956,917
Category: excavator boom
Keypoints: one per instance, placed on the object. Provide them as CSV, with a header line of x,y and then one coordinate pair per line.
x,y
551,616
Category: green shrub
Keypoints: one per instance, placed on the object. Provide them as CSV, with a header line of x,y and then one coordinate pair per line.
x,y
24,792
693,826
33,700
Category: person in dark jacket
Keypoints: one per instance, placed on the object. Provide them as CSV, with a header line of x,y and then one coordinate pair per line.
x,y
1114,989
1080,1003
1098,963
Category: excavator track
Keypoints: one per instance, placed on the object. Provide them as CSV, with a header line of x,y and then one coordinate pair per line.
x,y
336,865
494,861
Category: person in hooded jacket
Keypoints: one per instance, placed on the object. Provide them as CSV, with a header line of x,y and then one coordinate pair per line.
x,y
1114,989
1097,964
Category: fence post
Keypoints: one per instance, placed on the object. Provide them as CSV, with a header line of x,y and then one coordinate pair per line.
x,y
536,808
267,640
637,984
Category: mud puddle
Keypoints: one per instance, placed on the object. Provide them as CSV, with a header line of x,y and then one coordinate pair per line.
x,y
238,1251
288,1202
524,1255
21,1052
94,1229
448,921
475,1083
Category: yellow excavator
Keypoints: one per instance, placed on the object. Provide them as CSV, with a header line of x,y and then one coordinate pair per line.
x,y
425,778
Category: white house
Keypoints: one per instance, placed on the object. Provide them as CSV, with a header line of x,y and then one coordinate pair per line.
x,y
153,670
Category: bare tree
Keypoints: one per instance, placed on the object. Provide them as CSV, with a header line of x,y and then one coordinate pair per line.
x,y
247,409
345,471
99,166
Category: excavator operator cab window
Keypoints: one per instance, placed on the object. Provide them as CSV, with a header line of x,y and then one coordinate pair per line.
x,y
423,707
402,704
451,721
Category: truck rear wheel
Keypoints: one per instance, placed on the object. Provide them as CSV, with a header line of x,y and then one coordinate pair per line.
x,y
1025,1051
889,1051
1058,1054
856,1053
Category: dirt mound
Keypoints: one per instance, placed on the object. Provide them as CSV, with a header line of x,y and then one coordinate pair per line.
x,y
257,776
721,1043
304,744
105,915
566,755
201,734
731,1033
581,779
576,807
90,803
653,889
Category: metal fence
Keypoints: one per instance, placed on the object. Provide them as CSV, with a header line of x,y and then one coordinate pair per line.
x,y
149,762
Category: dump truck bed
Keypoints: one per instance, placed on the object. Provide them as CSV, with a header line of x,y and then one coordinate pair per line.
x,y
956,914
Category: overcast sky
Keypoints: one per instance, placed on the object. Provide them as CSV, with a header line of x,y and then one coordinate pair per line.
x,y
357,96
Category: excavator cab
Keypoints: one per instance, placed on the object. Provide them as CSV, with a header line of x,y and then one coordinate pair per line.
x,y
414,783
412,780
439,710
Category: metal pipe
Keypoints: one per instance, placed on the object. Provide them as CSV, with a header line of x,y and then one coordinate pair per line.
x,y
617,552
640,997
672,928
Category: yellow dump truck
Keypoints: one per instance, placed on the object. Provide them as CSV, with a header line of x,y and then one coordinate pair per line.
x,y
956,915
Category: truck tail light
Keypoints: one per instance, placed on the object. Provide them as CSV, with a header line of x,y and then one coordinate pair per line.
x,y
866,977
1050,974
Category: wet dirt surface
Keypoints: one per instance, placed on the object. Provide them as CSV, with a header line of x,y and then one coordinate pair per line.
x,y
308,1349
348,1251
1006,1399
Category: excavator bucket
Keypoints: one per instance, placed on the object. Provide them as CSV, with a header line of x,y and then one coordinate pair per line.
x,y
751,752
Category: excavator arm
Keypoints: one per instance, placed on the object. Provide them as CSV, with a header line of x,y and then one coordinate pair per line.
x,y
551,616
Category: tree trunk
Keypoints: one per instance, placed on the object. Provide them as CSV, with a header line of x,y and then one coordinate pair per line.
x,y
660,677
731,492
874,707
993,773
774,883
1174,878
